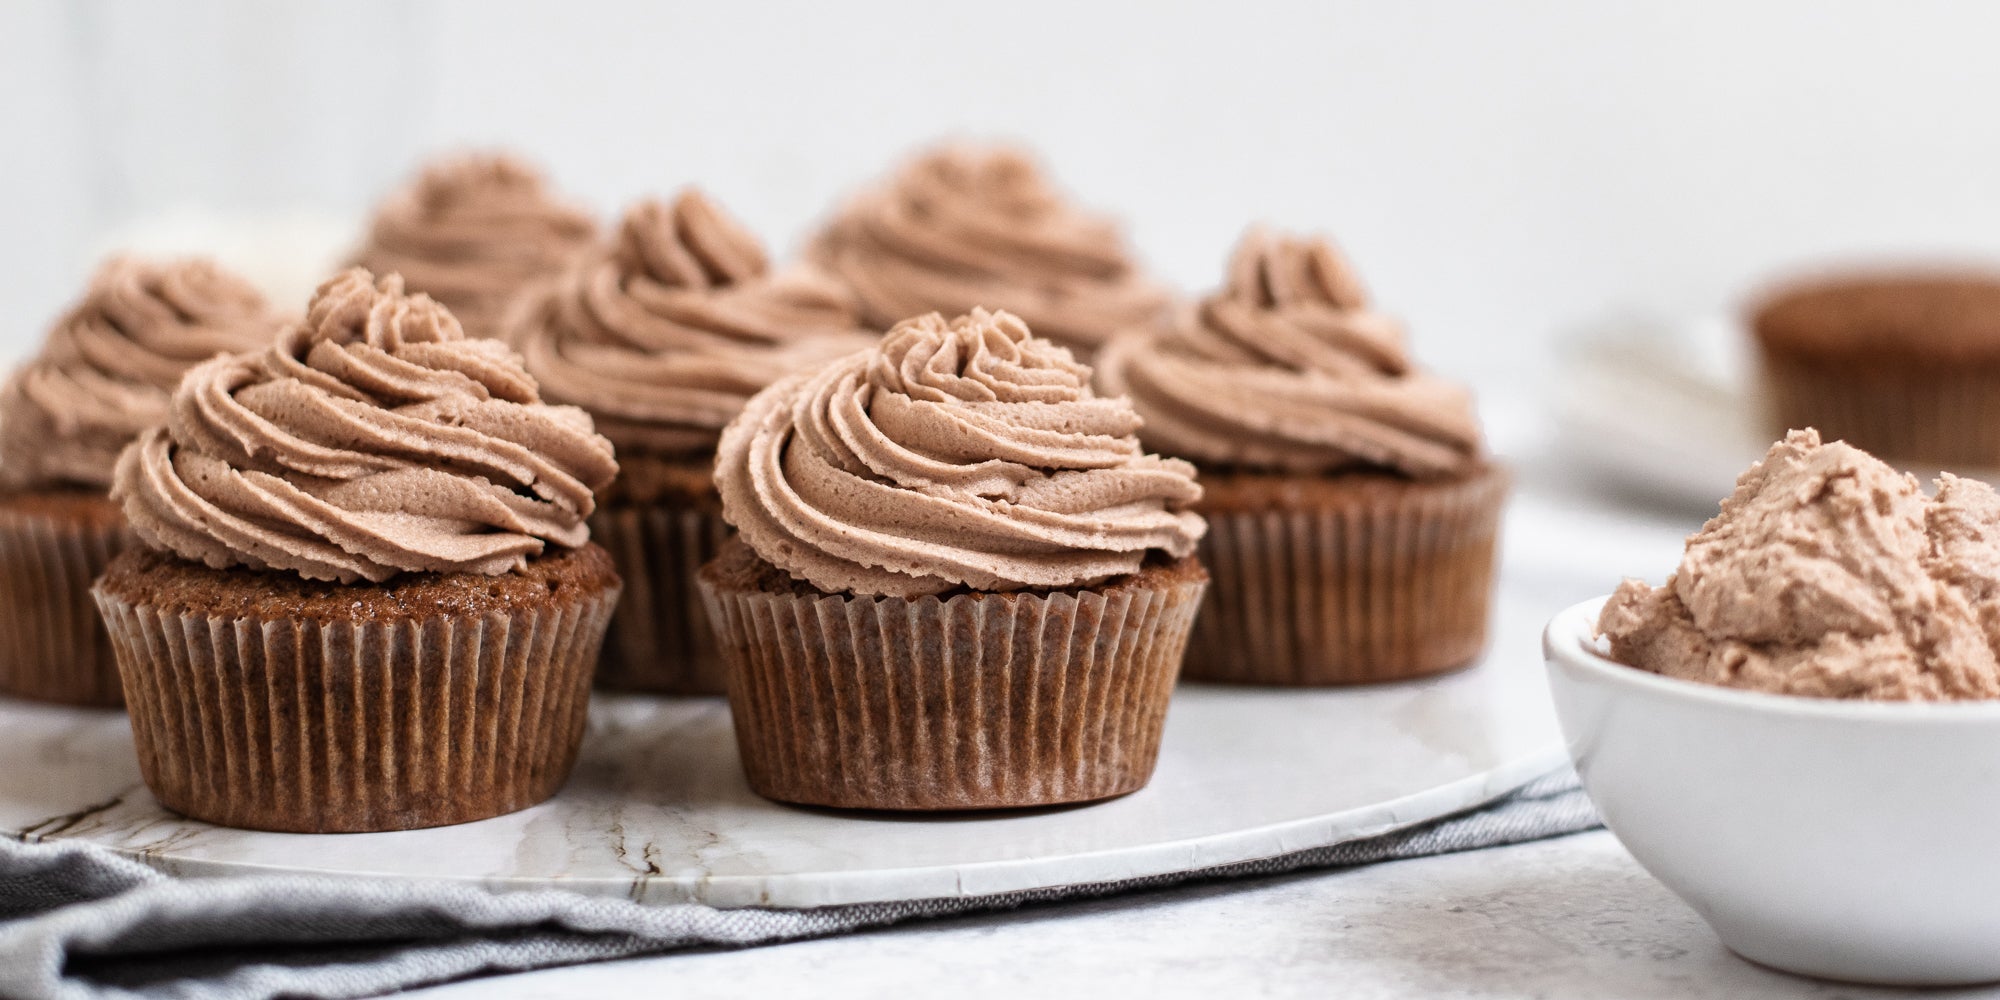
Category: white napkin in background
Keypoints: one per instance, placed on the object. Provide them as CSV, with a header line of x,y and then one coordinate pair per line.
x,y
1658,409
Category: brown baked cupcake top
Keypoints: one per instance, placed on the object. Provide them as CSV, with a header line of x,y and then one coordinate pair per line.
x,y
476,232
1288,368
112,360
673,328
966,453
961,227
372,439
1939,316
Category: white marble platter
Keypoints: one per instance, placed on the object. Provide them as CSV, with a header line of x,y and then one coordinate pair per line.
x,y
659,812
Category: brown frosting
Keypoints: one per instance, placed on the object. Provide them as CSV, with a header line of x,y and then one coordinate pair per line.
x,y
1288,368
957,454
1828,574
477,233
372,439
667,336
962,227
110,363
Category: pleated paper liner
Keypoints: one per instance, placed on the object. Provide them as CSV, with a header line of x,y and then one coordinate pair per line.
x,y
1344,580
978,701
1926,416
660,640
52,645
315,724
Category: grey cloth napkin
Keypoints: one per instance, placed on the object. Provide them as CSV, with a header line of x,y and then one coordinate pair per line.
x,y
77,921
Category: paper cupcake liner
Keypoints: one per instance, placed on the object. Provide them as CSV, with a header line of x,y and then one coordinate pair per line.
x,y
302,726
1384,582
52,645
1933,416
975,702
660,639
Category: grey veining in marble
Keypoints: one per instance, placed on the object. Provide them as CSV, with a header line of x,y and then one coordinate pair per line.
x,y
1567,919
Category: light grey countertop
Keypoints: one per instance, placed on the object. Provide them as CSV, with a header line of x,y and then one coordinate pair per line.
x,y
1573,917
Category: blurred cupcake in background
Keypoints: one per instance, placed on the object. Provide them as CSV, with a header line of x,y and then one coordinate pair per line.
x,y
1904,364
365,596
477,232
663,338
105,374
1353,516
962,227
959,583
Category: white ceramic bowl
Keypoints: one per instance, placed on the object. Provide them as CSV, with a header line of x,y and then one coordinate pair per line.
x,y
1847,840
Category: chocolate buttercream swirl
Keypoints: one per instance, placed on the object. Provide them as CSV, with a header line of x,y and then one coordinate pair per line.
x,y
665,337
476,233
372,439
1288,368
962,227
957,454
111,362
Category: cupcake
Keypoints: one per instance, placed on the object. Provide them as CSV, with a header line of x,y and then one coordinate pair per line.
x,y
1353,515
1902,364
477,233
958,582
105,374
963,227
663,339
364,597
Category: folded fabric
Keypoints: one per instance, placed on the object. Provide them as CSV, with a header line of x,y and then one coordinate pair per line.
x,y
82,922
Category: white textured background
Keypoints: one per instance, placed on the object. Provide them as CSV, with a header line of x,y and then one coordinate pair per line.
x,y
1500,171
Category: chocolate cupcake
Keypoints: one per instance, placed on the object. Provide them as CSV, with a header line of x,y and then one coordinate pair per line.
x,y
477,233
1353,518
963,227
958,584
1905,365
663,339
104,375
366,598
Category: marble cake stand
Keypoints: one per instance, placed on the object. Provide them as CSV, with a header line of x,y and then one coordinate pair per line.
x,y
658,811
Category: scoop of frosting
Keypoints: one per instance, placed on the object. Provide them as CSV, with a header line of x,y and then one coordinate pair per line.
x,y
963,227
1286,367
665,337
111,362
476,233
370,440
1828,574
957,454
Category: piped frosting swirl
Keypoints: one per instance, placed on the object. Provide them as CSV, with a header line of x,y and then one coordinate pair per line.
x,y
665,337
111,362
476,233
370,440
964,227
1288,368
957,454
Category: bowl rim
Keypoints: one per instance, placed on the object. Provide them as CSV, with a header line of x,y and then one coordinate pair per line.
x,y
1571,641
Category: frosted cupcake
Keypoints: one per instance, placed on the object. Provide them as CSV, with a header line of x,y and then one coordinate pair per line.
x,y
477,233
366,598
1353,514
959,582
1905,364
663,340
963,227
103,375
